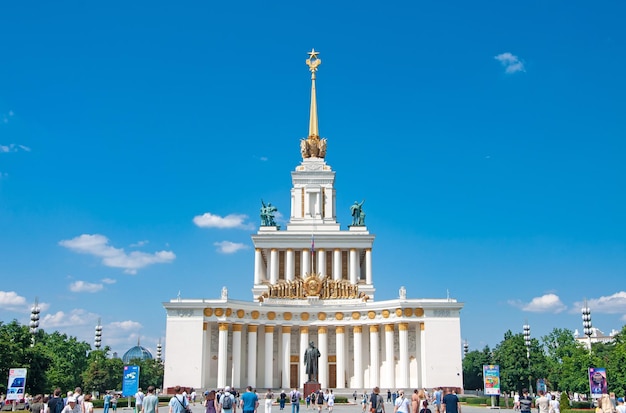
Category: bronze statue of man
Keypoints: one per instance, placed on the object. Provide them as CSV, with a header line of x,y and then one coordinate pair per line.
x,y
311,356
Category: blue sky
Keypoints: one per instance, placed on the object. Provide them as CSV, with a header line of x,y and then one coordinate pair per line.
x,y
487,139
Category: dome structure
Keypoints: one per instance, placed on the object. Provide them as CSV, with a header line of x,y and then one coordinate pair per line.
x,y
136,352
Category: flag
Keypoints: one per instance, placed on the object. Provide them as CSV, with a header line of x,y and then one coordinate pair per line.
x,y
312,253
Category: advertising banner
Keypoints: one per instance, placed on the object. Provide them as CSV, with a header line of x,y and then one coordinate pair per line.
x,y
597,382
491,378
130,381
17,384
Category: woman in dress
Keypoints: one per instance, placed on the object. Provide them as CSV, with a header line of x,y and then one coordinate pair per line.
x,y
209,402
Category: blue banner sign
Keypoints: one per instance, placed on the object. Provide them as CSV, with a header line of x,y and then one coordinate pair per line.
x,y
130,381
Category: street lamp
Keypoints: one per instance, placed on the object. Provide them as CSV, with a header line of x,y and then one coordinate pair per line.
x,y
527,344
34,321
98,338
587,324
465,348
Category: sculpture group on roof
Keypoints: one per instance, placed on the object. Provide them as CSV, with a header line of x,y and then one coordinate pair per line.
x,y
267,214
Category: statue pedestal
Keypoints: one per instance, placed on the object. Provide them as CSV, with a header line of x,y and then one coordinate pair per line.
x,y
311,387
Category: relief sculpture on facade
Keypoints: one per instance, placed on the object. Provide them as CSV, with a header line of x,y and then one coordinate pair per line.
x,y
313,285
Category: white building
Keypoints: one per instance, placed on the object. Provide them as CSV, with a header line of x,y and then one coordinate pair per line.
x,y
323,294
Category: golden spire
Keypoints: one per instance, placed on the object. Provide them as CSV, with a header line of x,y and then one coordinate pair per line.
x,y
313,62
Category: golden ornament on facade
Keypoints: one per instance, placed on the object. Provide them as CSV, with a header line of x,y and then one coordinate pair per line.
x,y
356,315
371,315
208,312
271,315
419,312
254,314
287,316
229,312
304,316
398,312
219,312
385,313
339,316
240,313
321,316
313,285
408,312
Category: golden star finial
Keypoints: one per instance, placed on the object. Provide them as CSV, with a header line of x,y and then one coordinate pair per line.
x,y
313,61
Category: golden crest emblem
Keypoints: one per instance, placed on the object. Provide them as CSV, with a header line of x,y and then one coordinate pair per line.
x,y
313,285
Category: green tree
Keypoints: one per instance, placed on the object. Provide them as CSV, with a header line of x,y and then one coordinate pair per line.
x,y
68,360
473,368
559,343
510,355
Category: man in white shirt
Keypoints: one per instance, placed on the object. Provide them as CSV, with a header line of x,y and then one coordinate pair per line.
x,y
403,405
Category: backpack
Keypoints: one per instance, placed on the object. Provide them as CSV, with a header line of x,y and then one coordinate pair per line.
x,y
294,397
58,406
227,403
320,398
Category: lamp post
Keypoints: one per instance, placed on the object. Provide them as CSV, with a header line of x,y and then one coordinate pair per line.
x,y
587,329
34,321
98,339
527,344
465,349
159,351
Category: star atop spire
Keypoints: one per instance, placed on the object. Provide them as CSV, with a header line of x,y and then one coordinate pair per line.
x,y
313,62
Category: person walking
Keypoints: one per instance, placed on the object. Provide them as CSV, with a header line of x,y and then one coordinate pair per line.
x,y
269,400
107,402
249,401
377,404
331,401
283,398
210,403
150,402
139,400
402,405
227,402
525,402
450,403
178,403
295,397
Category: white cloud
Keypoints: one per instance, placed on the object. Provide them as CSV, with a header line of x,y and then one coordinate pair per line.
x,y
208,220
76,317
127,325
13,148
139,244
108,281
547,303
11,300
612,304
98,245
511,63
227,247
85,287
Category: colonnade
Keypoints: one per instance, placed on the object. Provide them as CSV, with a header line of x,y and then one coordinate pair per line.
x,y
349,362
270,272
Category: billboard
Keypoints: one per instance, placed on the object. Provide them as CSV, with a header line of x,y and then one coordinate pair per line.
x,y
597,382
130,380
491,378
17,384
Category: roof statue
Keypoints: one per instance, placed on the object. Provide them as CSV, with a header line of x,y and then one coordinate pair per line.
x,y
313,146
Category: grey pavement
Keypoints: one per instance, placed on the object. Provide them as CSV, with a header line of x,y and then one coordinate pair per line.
x,y
338,408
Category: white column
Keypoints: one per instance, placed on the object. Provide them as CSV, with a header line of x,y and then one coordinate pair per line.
x,y
368,266
358,357
390,363
354,267
341,356
252,348
304,344
337,264
258,261
306,263
236,373
222,360
321,261
286,359
269,356
322,338
374,357
290,266
273,266
422,349
403,338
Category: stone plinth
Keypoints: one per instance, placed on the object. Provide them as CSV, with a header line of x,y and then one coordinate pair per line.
x,y
311,387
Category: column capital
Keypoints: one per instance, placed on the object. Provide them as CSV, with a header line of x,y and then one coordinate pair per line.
x,y
286,329
358,329
403,326
304,330
389,328
340,329
237,327
374,329
269,329
322,330
223,326
252,328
